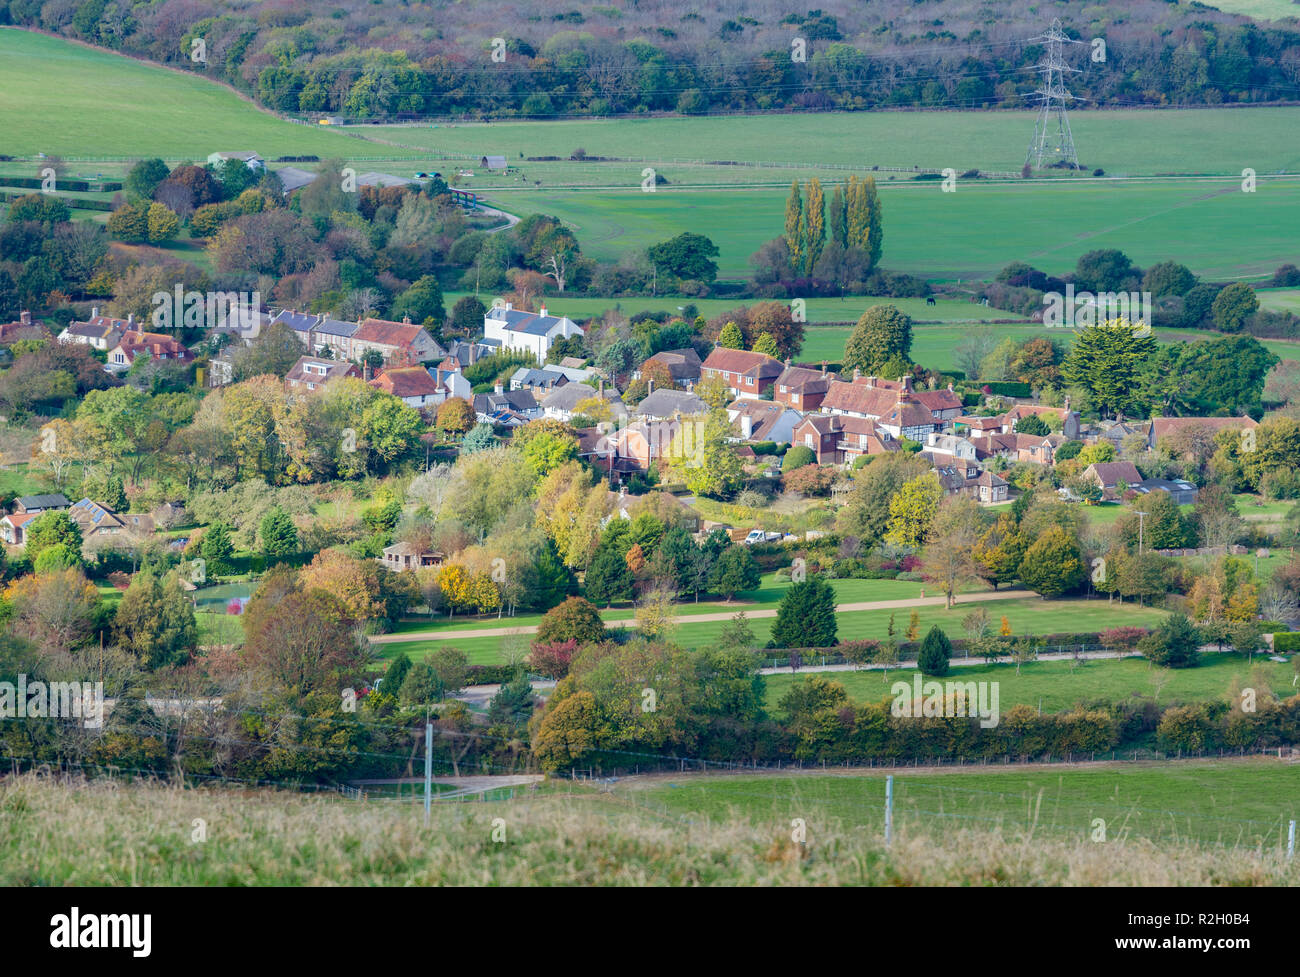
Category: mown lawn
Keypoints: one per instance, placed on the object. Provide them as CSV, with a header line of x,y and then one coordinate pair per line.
x,y
1056,686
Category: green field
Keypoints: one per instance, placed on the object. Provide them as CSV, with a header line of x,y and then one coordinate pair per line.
x,y
61,98
1211,226
1242,802
1259,9
1055,686
1123,143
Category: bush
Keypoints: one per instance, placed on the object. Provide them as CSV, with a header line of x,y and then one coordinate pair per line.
x,y
797,457
1286,641
575,620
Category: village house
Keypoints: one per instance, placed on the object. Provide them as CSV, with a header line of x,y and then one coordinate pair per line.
x,y
135,344
949,445
763,420
401,557
662,404
249,158
13,527
1163,427
562,402
99,332
98,522
839,439
1110,476
416,386
467,353
683,366
528,332
1061,418
893,405
23,328
746,374
1180,490
802,388
638,445
398,343
1035,448
507,408
538,380
311,372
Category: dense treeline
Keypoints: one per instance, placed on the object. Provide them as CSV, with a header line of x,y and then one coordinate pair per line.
x,y
386,60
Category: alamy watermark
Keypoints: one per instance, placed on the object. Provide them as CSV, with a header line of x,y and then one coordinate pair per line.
x,y
239,312
932,700
1078,310
53,700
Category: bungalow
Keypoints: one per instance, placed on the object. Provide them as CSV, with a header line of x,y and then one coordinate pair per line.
x,y
1034,448
13,527
247,157
399,343
1180,490
561,403
1110,475
746,374
41,503
401,557
135,344
802,388
662,404
683,366
98,332
311,372
97,521
507,408
412,385
528,332
537,380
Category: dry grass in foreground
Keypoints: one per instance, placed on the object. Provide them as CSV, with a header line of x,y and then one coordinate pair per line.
x,y
58,833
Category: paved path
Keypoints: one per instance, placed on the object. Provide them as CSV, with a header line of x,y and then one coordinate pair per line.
x,y
867,605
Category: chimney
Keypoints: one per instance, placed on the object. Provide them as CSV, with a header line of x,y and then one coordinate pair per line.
x,y
649,386
950,390
94,312
25,317
1067,403
835,422
600,386
746,426
543,311
906,382
857,374
823,368
510,306
787,362
130,319
406,320
498,389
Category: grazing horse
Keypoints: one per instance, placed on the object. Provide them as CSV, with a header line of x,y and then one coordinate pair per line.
x,y
929,300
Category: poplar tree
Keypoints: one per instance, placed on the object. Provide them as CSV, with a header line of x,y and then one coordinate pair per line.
x,y
874,242
815,222
839,229
795,230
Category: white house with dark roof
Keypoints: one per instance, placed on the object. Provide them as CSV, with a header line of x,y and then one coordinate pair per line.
x,y
99,331
529,332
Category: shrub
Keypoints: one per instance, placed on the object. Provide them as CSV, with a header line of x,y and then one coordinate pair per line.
x,y
1174,644
575,620
797,457
1286,641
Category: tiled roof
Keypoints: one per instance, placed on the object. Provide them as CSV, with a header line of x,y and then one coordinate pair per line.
x,y
743,362
407,381
385,332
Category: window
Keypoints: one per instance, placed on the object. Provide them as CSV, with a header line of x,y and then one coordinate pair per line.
x,y
808,440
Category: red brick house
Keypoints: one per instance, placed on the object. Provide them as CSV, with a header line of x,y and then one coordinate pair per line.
x,y
802,388
746,374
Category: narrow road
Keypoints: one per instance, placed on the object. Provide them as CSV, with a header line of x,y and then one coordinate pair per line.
x,y
867,605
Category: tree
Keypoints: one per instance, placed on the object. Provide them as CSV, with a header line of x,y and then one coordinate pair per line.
x,y
713,468
278,535
998,552
686,257
735,571
1233,306
161,224
866,514
805,617
1053,565
912,510
950,545
513,703
52,528
767,345
450,667
1174,644
882,333
422,302
936,650
608,578
395,674
155,622
796,233
1107,361
730,337
130,223
1168,278
216,546
1106,270
466,317
1032,424
577,619
814,224
143,178
456,415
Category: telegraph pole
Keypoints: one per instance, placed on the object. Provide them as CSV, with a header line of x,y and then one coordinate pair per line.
x,y
1141,522
428,766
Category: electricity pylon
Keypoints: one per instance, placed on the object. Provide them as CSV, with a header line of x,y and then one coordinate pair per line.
x,y
1053,140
